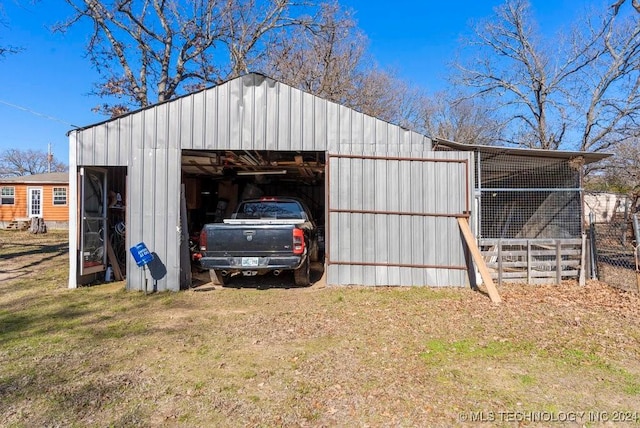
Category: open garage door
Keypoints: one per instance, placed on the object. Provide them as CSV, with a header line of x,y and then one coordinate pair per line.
x,y
393,220
252,174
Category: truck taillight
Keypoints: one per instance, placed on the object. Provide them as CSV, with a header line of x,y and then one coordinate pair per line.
x,y
298,241
203,240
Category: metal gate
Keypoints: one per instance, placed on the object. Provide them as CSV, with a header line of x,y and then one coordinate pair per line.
x,y
392,220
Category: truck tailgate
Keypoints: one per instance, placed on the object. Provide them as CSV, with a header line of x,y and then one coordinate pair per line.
x,y
249,240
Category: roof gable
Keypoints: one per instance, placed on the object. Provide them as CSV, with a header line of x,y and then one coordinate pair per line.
x,y
250,112
50,177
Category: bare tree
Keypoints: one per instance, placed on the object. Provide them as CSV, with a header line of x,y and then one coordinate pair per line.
x,y
382,94
6,49
583,88
605,95
15,162
323,62
152,50
616,6
620,173
462,120
331,61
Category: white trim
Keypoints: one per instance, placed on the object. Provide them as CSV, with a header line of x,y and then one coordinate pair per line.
x,y
30,213
72,202
14,195
66,196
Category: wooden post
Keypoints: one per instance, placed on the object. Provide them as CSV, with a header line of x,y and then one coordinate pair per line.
x,y
529,261
477,257
500,262
558,262
635,255
583,260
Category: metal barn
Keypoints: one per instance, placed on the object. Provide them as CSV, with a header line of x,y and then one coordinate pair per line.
x,y
387,202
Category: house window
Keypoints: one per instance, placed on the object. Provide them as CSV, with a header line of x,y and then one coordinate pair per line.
x,y
59,196
7,195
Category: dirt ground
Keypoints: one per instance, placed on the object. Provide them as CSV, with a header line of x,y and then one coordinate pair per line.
x,y
260,353
201,280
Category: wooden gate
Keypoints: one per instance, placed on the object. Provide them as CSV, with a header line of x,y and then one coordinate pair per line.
x,y
536,261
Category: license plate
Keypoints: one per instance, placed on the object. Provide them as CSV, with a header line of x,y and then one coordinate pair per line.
x,y
250,261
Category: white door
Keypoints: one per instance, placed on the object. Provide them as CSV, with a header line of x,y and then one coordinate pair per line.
x,y
34,202
93,203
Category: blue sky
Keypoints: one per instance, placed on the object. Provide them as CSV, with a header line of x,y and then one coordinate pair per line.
x,y
51,78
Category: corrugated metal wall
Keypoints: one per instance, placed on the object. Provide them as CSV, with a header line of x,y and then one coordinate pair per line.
x,y
252,112
393,220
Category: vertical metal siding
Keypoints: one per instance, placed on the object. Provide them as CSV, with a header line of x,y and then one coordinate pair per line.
x,y
162,125
174,130
154,180
252,113
124,141
100,143
380,235
257,113
295,120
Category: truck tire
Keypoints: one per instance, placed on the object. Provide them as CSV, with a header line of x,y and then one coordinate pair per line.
x,y
302,274
314,253
216,277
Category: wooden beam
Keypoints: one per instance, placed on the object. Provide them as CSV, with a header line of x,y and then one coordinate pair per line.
x,y
583,260
204,168
477,257
113,260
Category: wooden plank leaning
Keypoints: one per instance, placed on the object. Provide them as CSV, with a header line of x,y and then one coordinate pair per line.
x,y
477,257
113,260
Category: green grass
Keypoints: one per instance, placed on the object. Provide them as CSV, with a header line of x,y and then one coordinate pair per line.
x,y
472,348
350,356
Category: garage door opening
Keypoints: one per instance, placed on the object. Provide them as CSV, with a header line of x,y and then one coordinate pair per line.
x,y
216,181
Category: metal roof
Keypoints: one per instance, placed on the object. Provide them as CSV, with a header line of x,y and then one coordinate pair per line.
x,y
259,76
49,177
589,157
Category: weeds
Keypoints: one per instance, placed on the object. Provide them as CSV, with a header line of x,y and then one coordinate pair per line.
x,y
350,356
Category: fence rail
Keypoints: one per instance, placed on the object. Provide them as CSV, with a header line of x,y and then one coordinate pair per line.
x,y
536,261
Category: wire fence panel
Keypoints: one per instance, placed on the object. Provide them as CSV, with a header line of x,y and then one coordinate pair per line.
x,y
614,251
529,198
530,217
530,214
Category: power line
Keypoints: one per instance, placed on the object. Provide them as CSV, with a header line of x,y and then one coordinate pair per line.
x,y
46,116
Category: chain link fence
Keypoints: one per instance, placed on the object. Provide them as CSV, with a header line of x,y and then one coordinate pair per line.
x,y
613,235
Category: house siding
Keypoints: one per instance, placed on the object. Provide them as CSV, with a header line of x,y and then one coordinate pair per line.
x,y
53,215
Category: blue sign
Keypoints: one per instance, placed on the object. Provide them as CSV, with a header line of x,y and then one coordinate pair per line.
x,y
141,254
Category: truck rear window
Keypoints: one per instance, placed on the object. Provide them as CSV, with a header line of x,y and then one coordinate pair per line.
x,y
270,209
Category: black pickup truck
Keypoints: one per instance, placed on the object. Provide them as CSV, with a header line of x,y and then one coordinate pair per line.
x,y
265,235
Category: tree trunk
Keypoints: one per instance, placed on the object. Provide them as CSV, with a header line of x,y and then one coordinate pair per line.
x,y
38,225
